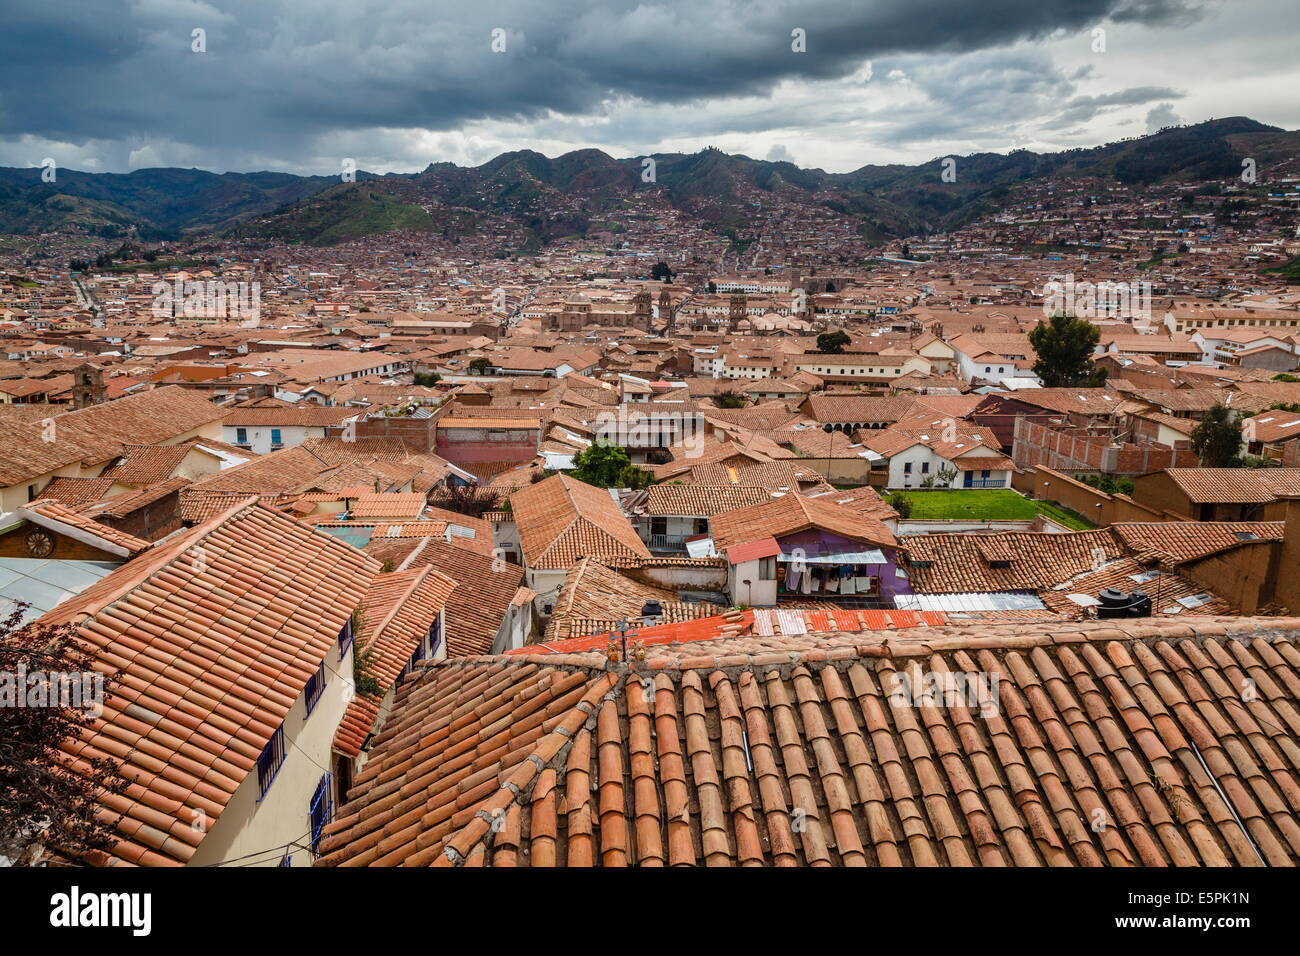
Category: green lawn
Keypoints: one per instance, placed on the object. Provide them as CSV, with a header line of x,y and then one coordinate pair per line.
x,y
988,504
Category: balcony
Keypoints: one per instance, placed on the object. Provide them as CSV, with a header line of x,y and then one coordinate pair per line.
x,y
986,483
668,542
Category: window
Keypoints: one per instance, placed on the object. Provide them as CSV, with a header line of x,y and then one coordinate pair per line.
x,y
767,569
321,810
346,636
701,525
925,467
435,634
241,436
275,437
907,467
269,761
658,525
315,687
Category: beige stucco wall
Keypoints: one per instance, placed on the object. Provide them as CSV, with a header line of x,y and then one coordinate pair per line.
x,y
282,815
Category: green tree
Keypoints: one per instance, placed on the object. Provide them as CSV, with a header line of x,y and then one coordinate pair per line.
x,y
729,400
832,343
1217,439
42,802
1064,346
479,365
661,271
427,378
607,465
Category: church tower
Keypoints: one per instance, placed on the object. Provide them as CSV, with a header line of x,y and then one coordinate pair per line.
x,y
88,386
736,311
641,309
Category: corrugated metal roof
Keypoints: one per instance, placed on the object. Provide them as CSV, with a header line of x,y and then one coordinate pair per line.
x,y
980,601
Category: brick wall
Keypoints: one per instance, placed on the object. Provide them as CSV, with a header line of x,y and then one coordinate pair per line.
x,y
1048,484
155,520
1070,449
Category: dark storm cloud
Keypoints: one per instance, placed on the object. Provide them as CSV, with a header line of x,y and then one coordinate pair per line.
x,y
279,75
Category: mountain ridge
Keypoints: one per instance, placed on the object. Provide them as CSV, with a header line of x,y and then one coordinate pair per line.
x,y
550,198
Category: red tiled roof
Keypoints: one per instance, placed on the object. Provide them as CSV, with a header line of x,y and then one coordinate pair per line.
x,y
214,634
562,519
753,550
396,614
58,518
706,753
792,513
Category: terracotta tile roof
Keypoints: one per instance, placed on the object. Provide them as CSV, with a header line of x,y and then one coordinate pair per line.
x,y
1273,426
307,415
594,597
299,469
402,505
790,513
772,475
55,516
146,464
100,432
561,520
202,504
758,629
865,500
119,506
1235,485
851,408
1189,540
702,500
707,753
75,492
957,563
212,655
752,550
395,615
484,591
1165,590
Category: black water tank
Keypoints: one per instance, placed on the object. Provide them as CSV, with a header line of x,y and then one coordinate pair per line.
x,y
1118,604
1111,597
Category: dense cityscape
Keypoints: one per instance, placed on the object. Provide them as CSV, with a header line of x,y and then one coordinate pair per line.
x,y
594,508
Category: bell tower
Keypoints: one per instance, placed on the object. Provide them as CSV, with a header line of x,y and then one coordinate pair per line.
x,y
88,386
736,310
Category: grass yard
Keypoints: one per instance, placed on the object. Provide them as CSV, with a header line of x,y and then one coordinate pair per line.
x,y
988,504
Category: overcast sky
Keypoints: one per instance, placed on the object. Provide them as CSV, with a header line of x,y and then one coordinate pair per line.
x,y
115,85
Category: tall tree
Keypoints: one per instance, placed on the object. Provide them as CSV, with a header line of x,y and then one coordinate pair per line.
x,y
1217,439
832,343
607,465
1064,346
42,802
